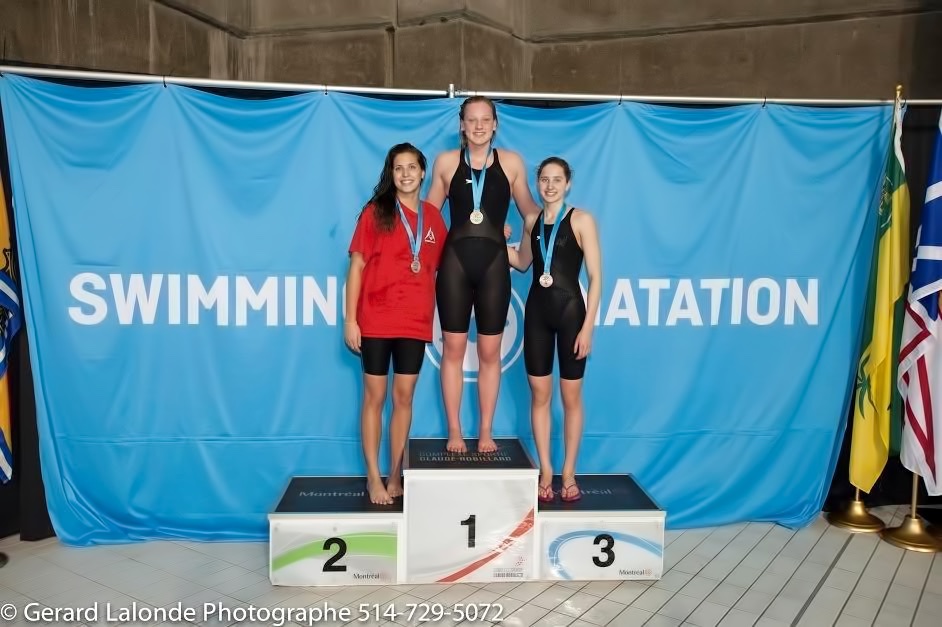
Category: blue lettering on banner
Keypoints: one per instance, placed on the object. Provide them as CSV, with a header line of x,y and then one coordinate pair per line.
x,y
183,285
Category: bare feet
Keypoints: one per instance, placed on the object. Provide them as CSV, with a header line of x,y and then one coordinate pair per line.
x,y
486,444
456,444
394,488
378,494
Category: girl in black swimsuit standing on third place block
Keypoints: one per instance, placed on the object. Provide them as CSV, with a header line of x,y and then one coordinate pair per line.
x,y
479,182
557,319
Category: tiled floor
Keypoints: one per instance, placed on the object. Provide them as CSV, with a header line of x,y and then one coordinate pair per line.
x,y
748,574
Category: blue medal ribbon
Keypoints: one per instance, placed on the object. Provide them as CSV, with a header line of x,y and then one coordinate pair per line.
x,y
415,243
548,254
477,185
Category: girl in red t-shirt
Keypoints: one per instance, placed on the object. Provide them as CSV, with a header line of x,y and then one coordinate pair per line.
x,y
390,294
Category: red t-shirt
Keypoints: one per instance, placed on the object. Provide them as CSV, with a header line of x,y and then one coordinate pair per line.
x,y
395,302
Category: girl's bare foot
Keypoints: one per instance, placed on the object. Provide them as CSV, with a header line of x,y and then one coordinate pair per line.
x,y
486,444
456,444
378,494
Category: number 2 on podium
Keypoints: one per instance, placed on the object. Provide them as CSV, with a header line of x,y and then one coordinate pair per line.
x,y
331,566
469,521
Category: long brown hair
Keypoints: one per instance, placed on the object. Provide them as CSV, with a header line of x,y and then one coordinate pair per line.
x,y
384,194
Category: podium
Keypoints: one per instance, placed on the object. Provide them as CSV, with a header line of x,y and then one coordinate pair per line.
x,y
469,517
326,532
615,531
464,518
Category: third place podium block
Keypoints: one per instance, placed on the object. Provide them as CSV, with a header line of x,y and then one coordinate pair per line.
x,y
469,517
615,531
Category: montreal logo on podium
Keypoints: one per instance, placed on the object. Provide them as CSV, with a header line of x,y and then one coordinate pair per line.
x,y
511,345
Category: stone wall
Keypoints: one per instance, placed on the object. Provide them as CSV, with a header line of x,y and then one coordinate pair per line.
x,y
798,48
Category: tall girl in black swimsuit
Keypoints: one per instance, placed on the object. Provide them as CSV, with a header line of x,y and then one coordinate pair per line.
x,y
557,319
479,181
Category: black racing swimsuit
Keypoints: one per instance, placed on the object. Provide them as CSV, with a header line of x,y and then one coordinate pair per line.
x,y
474,269
554,314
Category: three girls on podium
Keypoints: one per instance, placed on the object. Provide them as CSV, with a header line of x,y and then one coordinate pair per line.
x,y
403,261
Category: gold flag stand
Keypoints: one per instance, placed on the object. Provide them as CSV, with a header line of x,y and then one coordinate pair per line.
x,y
3,560
913,534
856,518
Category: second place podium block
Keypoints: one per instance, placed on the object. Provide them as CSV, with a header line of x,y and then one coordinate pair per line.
x,y
469,517
326,532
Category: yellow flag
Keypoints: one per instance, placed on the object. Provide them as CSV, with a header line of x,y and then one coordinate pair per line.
x,y
889,274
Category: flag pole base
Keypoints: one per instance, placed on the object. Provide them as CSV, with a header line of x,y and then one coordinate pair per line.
x,y
856,518
3,560
912,535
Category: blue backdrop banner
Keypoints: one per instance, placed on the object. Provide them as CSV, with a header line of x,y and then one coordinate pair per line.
x,y
183,257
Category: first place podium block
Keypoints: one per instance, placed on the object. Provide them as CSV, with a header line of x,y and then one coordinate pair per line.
x,y
326,532
615,531
469,517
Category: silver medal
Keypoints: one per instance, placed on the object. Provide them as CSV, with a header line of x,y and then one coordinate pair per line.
x,y
477,216
546,279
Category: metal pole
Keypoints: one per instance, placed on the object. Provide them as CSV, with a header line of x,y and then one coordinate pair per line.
x,y
450,92
210,82
915,498
509,95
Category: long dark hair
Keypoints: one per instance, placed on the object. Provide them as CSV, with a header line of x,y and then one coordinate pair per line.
x,y
384,194
464,105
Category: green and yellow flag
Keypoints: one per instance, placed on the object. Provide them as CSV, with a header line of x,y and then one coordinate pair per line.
x,y
889,274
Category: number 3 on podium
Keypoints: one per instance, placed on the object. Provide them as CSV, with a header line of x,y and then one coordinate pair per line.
x,y
607,543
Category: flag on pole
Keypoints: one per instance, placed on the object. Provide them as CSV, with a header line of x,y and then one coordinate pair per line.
x,y
9,325
920,356
870,438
